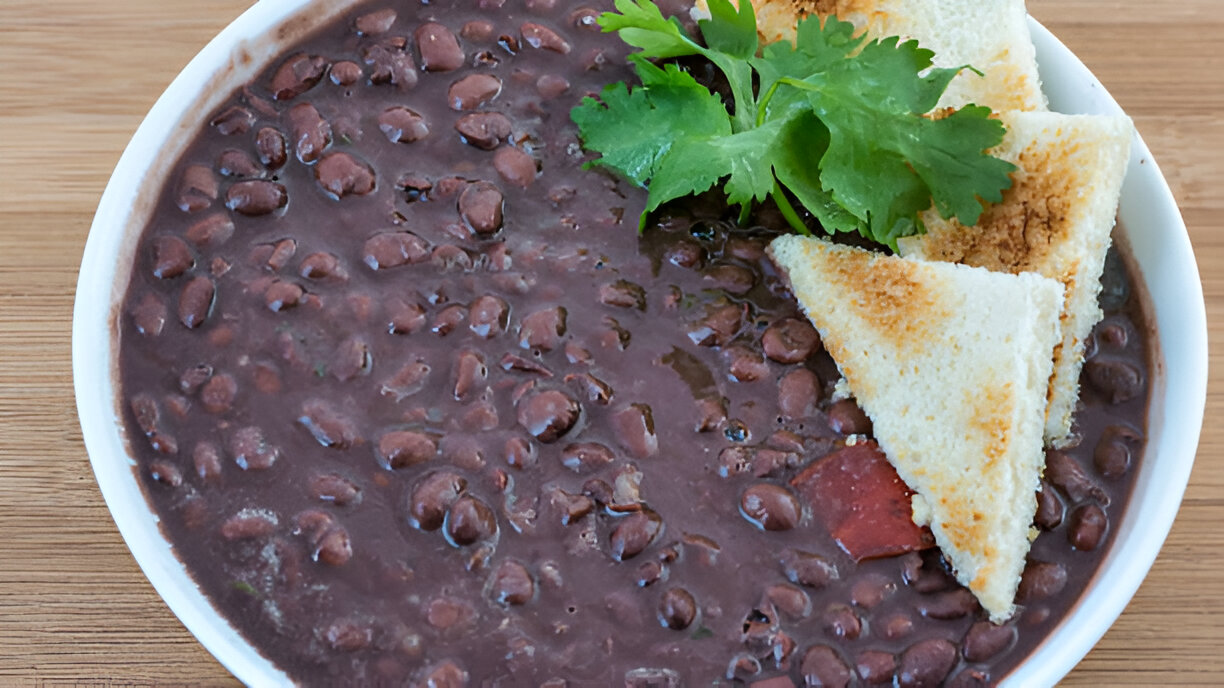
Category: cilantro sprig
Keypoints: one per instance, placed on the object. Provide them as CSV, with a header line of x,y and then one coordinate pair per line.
x,y
841,122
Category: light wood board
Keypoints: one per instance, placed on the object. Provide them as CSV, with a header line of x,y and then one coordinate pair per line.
x,y
76,77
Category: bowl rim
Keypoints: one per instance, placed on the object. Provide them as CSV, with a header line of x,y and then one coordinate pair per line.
x,y
237,54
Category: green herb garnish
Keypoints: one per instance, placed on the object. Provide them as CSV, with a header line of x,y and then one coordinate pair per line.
x,y
842,122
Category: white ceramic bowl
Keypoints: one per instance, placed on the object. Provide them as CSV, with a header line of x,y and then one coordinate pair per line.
x,y
1153,227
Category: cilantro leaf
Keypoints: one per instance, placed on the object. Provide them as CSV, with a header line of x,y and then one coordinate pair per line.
x,y
642,25
842,123
635,129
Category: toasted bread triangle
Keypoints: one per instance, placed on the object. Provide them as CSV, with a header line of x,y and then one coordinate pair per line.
x,y
1054,221
951,363
990,35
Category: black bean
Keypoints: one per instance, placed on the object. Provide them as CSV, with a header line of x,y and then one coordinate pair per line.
x,y
446,675
677,609
1113,453
197,189
477,31
469,520
165,472
375,23
1086,527
730,278
329,427
685,253
311,133
790,340
895,626
322,266
807,569
347,635
249,524
634,533
926,663
282,253
798,393
196,301
550,86
448,319
770,507
171,257
393,249
543,329
217,395
711,413
488,316
543,38
484,130
1118,380
297,75
211,231
236,163
251,450
791,601
390,62
520,453
840,621
870,589
351,359
235,120
950,604
586,457
282,295
875,667
481,207
571,506
1065,473
404,448
822,666
335,488
472,91
512,584
847,418
718,326
401,125
744,364
341,174
271,146
1041,580
345,73
623,294
452,258
585,18
548,415
207,461
635,430
256,197
516,167
440,51
408,380
1050,509
470,372
432,497
985,640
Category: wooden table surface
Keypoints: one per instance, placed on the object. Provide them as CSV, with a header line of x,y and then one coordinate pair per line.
x,y
77,76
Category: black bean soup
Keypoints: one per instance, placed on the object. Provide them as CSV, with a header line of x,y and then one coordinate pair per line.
x,y
419,406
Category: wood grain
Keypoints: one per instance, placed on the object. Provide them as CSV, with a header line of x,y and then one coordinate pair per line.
x,y
76,76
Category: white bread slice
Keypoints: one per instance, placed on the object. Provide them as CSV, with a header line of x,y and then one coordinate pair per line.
x,y
951,364
1055,221
991,35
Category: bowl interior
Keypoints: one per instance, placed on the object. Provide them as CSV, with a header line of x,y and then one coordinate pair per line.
x,y
1153,230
